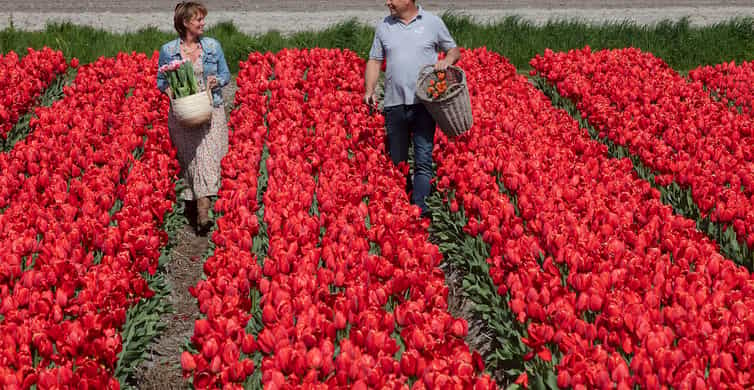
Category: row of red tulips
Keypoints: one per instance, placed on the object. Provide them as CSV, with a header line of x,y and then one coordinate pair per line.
x,y
83,217
298,311
22,80
232,272
351,296
402,269
733,83
621,290
675,127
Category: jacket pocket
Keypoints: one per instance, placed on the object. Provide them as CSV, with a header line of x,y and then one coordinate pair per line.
x,y
210,64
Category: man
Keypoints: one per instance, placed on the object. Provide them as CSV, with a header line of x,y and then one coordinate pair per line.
x,y
408,39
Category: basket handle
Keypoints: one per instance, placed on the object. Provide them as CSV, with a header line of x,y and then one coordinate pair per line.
x,y
424,72
454,87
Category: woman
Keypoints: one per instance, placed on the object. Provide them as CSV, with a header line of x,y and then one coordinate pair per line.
x,y
199,149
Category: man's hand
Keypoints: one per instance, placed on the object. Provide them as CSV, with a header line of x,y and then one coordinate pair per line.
x,y
169,92
211,82
371,74
370,98
442,64
451,57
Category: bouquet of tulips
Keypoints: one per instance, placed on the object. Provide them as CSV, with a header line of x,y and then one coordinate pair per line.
x,y
437,85
180,75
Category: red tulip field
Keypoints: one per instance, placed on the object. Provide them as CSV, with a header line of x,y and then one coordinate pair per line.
x,y
22,81
597,221
673,127
83,203
731,81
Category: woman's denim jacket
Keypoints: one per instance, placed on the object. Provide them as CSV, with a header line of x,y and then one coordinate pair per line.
x,y
214,64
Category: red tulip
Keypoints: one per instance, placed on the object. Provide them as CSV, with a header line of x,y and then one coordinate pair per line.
x,y
314,358
201,327
459,328
248,345
210,348
187,361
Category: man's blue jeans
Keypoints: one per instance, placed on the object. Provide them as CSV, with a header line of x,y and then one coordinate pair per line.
x,y
402,122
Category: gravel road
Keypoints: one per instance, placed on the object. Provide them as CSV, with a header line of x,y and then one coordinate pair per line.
x,y
136,6
289,16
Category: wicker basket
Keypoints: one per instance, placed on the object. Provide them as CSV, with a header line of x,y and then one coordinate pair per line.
x,y
452,112
193,110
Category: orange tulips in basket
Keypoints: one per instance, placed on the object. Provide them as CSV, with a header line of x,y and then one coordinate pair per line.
x,y
437,88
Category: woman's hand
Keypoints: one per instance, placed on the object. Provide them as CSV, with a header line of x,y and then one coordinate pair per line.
x,y
211,82
169,92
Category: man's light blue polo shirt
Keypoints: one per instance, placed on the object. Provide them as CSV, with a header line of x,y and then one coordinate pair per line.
x,y
407,48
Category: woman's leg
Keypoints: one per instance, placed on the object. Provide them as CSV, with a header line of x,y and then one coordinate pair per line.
x,y
206,166
203,223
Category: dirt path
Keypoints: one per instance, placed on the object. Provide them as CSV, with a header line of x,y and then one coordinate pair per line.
x,y
289,16
185,269
163,371
139,6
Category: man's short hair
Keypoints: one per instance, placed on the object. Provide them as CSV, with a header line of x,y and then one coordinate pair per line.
x,y
184,12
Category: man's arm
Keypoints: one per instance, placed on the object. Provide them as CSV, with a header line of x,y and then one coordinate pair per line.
x,y
451,57
447,44
371,75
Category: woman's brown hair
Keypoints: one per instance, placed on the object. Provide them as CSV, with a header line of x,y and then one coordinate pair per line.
x,y
184,12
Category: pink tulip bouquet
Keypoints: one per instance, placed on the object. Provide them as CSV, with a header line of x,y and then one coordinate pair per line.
x,y
180,75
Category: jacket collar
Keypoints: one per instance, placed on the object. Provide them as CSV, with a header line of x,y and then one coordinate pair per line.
x,y
176,44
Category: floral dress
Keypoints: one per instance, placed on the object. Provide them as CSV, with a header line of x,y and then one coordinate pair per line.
x,y
200,149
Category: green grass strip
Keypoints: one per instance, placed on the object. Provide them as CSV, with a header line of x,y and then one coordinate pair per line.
x,y
680,44
680,199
